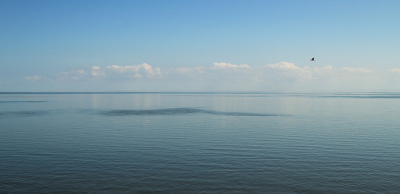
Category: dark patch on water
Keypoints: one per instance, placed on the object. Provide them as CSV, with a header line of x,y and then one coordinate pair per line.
x,y
20,101
24,113
179,111
361,96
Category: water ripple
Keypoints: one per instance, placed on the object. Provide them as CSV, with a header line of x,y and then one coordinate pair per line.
x,y
20,101
178,111
24,113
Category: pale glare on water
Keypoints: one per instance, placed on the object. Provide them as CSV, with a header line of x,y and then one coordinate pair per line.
x,y
199,142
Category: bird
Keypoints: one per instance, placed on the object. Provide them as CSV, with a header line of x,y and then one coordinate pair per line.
x,y
312,59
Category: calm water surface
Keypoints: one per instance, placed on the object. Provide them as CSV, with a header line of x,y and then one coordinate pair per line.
x,y
199,143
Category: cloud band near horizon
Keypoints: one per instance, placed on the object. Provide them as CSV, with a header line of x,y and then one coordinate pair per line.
x,y
272,75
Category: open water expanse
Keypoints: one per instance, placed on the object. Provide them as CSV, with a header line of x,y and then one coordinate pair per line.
x,y
199,142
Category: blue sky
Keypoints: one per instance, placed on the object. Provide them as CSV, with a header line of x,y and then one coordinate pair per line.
x,y
60,45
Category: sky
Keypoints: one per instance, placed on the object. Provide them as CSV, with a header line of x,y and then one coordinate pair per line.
x,y
199,45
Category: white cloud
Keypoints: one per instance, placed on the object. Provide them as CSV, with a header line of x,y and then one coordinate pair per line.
x,y
80,71
113,72
283,71
227,76
223,65
97,71
33,78
144,68
77,74
291,67
357,70
290,72
283,65
137,75
395,70
183,70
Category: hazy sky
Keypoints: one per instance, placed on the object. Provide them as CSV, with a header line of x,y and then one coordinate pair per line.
x,y
199,45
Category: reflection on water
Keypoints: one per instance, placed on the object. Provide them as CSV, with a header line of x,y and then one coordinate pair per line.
x,y
364,95
200,143
178,111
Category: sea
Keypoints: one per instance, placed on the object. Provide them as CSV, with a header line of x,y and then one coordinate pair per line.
x,y
200,142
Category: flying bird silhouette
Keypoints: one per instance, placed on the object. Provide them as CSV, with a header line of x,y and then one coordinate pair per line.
x,y
312,59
